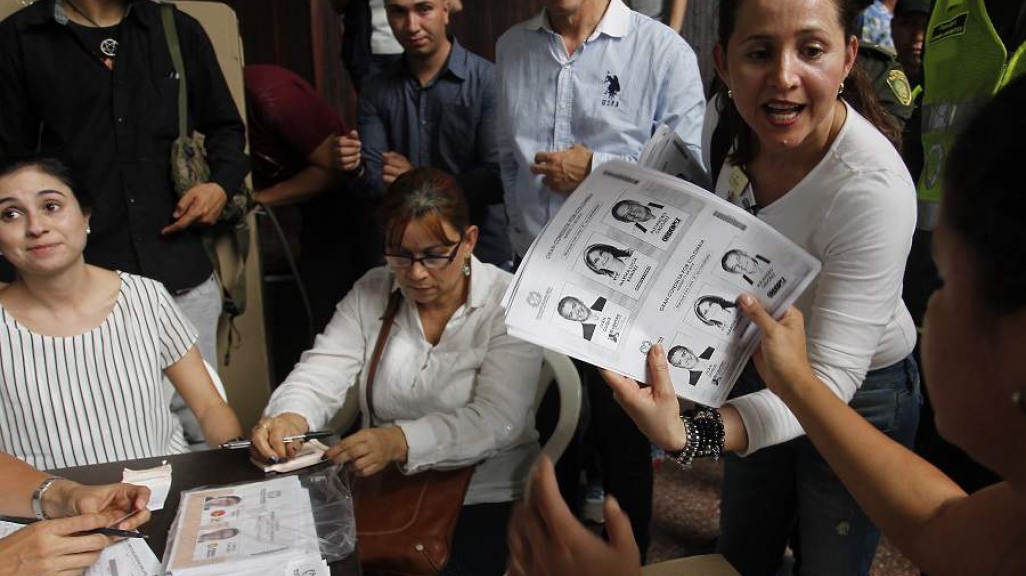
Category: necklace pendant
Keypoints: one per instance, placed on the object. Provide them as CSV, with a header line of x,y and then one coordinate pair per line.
x,y
109,47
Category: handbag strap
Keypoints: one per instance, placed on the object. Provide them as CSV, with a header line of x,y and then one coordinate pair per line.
x,y
167,18
387,319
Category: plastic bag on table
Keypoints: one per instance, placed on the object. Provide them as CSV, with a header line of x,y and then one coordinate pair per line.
x,y
261,527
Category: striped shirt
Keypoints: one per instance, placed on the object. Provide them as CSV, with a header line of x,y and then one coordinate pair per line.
x,y
98,396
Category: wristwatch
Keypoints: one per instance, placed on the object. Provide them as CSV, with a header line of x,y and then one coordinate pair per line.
x,y
37,496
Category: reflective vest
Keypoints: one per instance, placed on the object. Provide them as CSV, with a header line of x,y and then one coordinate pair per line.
x,y
965,64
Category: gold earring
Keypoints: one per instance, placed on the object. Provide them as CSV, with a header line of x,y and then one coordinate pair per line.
x,y
466,268
840,90
730,94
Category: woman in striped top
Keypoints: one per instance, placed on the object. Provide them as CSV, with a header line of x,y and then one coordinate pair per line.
x,y
83,350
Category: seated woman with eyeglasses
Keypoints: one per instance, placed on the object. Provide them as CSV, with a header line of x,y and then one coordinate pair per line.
x,y
451,388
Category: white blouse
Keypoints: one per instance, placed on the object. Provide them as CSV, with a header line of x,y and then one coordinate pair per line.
x,y
97,396
855,211
467,400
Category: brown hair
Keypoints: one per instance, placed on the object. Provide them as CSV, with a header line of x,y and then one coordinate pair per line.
x,y
420,193
858,90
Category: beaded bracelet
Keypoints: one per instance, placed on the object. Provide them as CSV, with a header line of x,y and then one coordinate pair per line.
x,y
704,428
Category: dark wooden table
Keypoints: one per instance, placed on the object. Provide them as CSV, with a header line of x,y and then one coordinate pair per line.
x,y
211,467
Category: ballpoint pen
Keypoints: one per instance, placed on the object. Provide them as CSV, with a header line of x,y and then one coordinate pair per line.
x,y
237,444
104,531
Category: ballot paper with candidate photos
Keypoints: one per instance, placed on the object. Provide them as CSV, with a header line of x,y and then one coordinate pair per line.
x,y
243,528
616,264
590,316
634,258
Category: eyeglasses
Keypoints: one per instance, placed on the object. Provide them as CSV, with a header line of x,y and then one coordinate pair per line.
x,y
431,262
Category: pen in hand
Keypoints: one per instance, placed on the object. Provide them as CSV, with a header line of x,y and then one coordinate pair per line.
x,y
237,444
105,531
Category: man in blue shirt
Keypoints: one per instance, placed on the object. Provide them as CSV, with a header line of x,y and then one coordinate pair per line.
x,y
582,83
434,107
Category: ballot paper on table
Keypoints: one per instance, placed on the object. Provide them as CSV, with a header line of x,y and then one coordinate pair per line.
x,y
157,479
129,557
257,528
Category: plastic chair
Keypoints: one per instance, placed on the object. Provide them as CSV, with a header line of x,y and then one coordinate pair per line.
x,y
557,368
218,384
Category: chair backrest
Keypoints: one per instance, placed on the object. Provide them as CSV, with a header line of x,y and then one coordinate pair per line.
x,y
218,385
558,369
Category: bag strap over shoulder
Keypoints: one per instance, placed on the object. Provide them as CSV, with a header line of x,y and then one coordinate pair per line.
x,y
387,319
167,18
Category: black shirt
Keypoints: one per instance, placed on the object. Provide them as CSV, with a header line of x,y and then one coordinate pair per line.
x,y
115,128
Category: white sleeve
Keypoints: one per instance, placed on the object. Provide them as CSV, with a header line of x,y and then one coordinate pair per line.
x,y
316,388
865,239
497,417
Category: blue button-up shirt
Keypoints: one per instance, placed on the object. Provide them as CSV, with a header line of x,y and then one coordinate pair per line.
x,y
631,75
447,124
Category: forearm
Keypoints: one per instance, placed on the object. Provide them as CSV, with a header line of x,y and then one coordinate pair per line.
x,y
18,481
901,504
219,423
677,12
735,436
309,182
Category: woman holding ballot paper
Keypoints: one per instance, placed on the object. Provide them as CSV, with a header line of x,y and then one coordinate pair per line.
x,y
84,350
825,177
451,388
61,542
972,352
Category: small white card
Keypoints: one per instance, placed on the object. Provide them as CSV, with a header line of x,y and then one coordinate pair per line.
x,y
157,479
312,453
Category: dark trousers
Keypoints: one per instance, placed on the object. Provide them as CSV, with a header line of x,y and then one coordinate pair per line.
x,y
479,545
624,454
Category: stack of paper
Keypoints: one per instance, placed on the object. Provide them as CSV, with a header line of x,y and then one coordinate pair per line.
x,y
262,528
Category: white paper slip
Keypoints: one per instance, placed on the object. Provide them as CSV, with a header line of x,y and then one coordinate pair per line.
x,y
129,557
311,566
311,453
157,479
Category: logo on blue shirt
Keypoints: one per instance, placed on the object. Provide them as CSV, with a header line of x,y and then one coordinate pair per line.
x,y
612,94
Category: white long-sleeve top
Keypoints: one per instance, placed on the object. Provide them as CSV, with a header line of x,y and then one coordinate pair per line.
x,y
855,211
467,400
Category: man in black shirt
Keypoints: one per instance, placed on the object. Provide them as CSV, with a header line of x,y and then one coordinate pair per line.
x,y
92,82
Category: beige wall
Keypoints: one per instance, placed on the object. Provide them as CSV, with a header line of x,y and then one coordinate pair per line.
x,y
246,376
